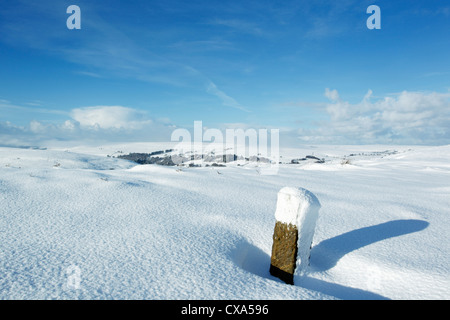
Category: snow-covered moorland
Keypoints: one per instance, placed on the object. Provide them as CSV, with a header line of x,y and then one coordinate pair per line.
x,y
77,224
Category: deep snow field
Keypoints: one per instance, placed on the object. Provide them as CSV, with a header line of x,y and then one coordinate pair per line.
x,y
76,224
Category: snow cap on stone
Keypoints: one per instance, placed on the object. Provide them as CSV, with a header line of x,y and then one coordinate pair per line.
x,y
293,204
299,207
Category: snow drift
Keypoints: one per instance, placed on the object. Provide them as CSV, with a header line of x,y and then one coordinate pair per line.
x,y
128,231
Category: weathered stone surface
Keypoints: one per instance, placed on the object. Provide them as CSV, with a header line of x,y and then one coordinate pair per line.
x,y
284,252
300,208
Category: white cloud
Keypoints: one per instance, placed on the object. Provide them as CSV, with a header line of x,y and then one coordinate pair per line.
x,y
406,117
87,125
110,117
333,95
37,127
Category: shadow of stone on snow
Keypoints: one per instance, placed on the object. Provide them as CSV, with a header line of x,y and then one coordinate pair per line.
x,y
254,260
327,253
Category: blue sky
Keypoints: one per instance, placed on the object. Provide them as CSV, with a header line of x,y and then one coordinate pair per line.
x,y
138,69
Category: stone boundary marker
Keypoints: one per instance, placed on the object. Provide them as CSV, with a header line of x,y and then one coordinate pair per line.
x,y
296,216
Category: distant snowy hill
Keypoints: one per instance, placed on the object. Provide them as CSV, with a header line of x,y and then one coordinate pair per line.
x,y
81,223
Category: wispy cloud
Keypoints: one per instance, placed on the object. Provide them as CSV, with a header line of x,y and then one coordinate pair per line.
x,y
434,74
241,26
101,45
33,107
203,45
226,99
211,88
108,51
88,74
